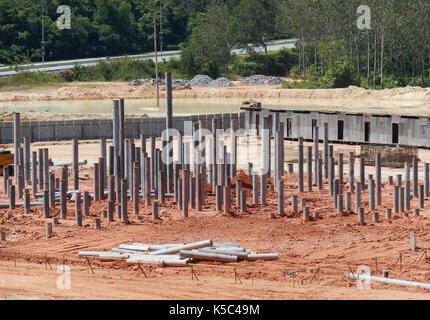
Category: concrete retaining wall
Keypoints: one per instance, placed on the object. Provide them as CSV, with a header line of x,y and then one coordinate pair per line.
x,y
97,129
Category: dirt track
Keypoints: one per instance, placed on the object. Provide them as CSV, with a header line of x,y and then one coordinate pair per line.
x,y
331,243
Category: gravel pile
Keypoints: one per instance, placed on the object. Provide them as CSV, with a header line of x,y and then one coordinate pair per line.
x,y
221,82
161,82
201,81
263,80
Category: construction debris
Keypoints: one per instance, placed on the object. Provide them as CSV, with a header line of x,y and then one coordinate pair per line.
x,y
179,254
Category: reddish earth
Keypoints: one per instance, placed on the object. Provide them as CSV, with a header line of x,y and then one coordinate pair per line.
x,y
334,244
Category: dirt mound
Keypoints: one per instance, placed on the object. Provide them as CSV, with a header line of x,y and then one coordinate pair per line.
x,y
246,180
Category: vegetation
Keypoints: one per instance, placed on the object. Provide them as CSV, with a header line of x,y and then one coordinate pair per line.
x,y
331,51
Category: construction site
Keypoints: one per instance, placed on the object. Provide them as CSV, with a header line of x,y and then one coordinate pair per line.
x,y
259,204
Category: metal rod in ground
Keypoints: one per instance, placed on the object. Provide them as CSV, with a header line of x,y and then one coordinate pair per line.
x,y
361,216
110,210
218,198
263,179
63,200
340,203
426,180
421,196
155,210
5,178
185,192
103,154
351,171
294,204
124,211
75,161
193,188
407,170
395,199
102,179
20,184
331,175
17,135
242,201
335,191
199,192
408,194
227,199
78,218
160,186
41,168
111,188
111,170
46,209
78,201
357,196
179,194
402,199
320,174
415,176
26,201
362,173
233,152
340,171
136,198
96,181
399,180
86,203
372,194
300,164
348,197
281,198
27,159
388,214
309,166
378,178
325,150
238,190
52,190
33,172
316,151
46,168
255,188
152,159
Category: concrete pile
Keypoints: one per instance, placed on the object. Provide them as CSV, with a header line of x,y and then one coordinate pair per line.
x,y
178,254
263,80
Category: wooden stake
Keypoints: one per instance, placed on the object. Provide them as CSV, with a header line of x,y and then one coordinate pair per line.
x,y
236,276
138,265
47,262
193,274
89,265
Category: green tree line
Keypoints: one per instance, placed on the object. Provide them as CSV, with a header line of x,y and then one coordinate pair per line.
x,y
98,27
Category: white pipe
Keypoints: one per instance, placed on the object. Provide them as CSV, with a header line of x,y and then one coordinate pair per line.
x,y
262,256
190,246
239,254
133,247
218,244
389,281
207,256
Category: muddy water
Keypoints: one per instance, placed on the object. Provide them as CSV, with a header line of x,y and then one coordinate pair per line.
x,y
209,106
134,106
149,106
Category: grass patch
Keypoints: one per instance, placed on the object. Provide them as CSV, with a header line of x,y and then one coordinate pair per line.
x,y
31,80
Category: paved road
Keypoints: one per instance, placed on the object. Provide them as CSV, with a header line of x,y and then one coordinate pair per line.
x,y
166,55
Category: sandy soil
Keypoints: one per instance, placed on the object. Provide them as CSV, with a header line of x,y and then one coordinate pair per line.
x,y
333,243
410,100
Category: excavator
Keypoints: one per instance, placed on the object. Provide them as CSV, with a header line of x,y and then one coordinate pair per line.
x,y
6,159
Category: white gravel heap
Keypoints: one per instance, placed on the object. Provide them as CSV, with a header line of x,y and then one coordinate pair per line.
x,y
263,80
221,82
201,81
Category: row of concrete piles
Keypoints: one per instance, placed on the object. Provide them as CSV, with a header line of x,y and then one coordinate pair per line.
x,y
126,173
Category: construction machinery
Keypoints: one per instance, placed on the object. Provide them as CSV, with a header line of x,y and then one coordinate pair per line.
x,y
6,159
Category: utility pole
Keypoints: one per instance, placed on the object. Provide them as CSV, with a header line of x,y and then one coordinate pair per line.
x,y
156,58
43,34
161,30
